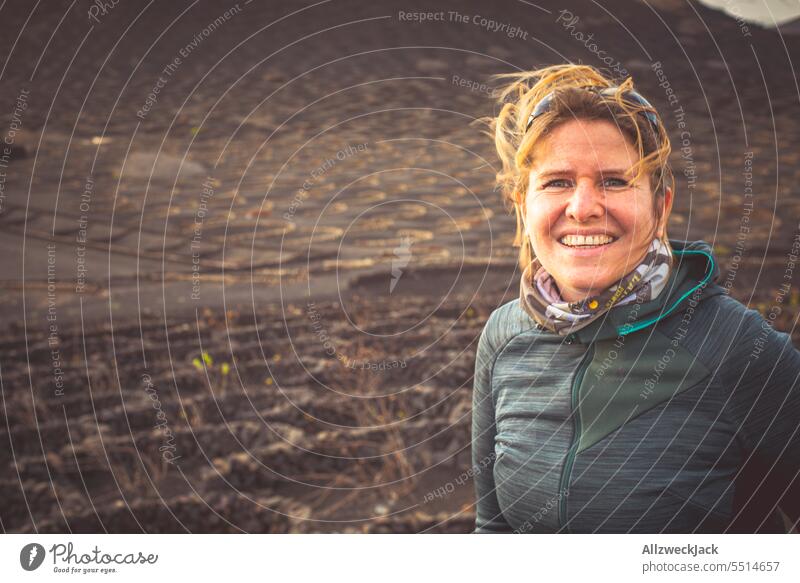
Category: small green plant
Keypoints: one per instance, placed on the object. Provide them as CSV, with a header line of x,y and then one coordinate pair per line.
x,y
217,375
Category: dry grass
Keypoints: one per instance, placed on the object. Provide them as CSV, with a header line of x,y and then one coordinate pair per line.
x,y
393,466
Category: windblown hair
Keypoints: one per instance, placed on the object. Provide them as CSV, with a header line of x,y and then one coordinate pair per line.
x,y
515,146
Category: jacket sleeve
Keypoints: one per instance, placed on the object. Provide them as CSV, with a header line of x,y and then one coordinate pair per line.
x,y
488,517
764,374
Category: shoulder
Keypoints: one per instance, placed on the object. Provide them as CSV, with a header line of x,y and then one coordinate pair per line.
x,y
505,323
725,313
731,319
724,333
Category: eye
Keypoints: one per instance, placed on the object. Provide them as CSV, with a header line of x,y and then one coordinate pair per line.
x,y
615,183
557,183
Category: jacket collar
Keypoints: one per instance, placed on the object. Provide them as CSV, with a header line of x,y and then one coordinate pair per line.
x,y
692,278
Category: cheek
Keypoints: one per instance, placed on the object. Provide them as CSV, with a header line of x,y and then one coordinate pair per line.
x,y
634,218
541,218
645,222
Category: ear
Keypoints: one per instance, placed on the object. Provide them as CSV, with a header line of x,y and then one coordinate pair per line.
x,y
667,210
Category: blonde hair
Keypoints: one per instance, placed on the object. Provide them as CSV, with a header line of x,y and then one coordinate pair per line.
x,y
571,101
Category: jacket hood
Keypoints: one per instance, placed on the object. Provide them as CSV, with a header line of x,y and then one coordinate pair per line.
x,y
692,278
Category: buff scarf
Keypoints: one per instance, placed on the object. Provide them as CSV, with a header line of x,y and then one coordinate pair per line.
x,y
540,298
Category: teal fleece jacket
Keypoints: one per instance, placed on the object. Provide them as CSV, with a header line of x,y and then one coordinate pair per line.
x,y
678,415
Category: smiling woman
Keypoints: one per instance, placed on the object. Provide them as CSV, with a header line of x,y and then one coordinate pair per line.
x,y
587,221
622,391
591,161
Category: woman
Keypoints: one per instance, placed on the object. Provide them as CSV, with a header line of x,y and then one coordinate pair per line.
x,y
623,391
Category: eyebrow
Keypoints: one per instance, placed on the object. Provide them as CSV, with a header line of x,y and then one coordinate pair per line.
x,y
606,172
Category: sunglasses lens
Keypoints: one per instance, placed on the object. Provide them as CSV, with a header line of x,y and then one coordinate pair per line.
x,y
543,105
636,98
652,117
633,96
540,108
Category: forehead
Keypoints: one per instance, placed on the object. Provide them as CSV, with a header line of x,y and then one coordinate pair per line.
x,y
582,144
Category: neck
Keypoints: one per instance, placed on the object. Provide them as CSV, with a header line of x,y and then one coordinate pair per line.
x,y
574,295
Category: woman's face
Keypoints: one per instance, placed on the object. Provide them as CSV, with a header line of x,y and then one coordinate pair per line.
x,y
577,186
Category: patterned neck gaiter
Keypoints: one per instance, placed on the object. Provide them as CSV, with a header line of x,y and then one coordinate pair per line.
x,y
540,298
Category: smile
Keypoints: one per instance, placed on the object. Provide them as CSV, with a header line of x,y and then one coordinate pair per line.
x,y
586,242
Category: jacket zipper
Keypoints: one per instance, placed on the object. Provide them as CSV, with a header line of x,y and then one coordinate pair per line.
x,y
576,424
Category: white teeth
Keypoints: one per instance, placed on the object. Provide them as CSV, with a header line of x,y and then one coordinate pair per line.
x,y
580,240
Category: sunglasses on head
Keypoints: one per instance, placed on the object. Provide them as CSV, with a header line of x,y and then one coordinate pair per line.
x,y
630,96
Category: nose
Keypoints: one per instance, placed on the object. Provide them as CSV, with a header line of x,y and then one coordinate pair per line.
x,y
586,203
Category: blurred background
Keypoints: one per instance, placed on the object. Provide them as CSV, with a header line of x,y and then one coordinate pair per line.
x,y
248,248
